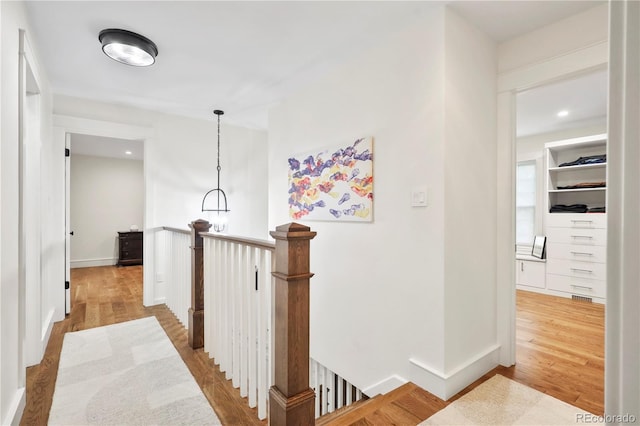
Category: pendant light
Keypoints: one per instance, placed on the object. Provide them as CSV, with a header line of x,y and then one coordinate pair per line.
x,y
128,47
220,218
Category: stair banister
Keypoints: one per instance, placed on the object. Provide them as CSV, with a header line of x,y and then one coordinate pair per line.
x,y
196,311
291,400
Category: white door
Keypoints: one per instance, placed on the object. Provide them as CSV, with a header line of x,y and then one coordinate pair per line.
x,y
67,220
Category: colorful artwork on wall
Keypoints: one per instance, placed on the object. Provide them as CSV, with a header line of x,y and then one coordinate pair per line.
x,y
333,184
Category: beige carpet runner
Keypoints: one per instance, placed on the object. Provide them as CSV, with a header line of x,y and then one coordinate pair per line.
x,y
500,401
126,374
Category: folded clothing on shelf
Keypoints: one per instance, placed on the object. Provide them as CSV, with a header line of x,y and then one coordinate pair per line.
x,y
584,185
591,159
572,208
597,210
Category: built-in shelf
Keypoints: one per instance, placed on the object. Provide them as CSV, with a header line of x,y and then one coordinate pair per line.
x,y
567,151
578,167
602,188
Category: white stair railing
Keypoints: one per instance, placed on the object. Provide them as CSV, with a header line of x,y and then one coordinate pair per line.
x,y
237,313
332,391
174,263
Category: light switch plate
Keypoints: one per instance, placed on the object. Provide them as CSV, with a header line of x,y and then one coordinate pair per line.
x,y
419,196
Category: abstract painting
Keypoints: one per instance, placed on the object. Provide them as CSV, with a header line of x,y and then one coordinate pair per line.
x,y
333,184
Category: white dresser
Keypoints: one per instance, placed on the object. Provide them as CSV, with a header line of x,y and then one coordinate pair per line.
x,y
576,254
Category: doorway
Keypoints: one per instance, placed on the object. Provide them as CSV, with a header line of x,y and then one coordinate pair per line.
x,y
105,197
561,291
66,131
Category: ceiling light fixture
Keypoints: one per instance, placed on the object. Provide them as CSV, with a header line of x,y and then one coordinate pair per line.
x,y
128,47
128,152
220,220
563,113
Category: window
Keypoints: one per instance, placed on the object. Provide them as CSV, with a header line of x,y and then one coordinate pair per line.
x,y
525,202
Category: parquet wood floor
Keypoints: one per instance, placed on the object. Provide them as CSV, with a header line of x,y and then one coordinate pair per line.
x,y
108,295
560,351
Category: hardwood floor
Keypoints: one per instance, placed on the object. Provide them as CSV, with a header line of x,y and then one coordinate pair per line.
x,y
108,295
560,351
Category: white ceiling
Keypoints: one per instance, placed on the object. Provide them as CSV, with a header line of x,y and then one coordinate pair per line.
x,y
584,97
239,56
100,146
504,20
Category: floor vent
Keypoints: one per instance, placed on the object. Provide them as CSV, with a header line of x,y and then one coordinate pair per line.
x,y
582,298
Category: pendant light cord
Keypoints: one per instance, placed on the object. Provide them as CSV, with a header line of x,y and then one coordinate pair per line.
x,y
219,168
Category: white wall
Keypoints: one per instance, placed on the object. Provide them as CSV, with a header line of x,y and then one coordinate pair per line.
x,y
622,343
470,195
378,296
107,196
24,329
562,37
180,167
530,147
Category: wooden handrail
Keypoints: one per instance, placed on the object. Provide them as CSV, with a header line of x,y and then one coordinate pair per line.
x,y
178,230
253,242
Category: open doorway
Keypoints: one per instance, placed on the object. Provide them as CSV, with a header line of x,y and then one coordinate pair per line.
x,y
105,203
560,199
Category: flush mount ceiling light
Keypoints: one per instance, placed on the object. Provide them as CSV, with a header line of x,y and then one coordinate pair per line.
x,y
128,47
562,113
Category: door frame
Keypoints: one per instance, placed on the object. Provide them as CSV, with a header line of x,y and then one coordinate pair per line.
x,y
65,125
578,62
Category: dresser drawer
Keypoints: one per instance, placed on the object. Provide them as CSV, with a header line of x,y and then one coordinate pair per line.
x,y
130,244
577,252
577,285
572,268
584,237
577,220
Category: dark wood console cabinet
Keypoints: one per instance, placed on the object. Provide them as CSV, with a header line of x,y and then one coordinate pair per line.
x,y
130,248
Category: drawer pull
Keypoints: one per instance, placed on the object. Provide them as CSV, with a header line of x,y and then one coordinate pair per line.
x,y
581,221
580,253
587,271
582,236
581,286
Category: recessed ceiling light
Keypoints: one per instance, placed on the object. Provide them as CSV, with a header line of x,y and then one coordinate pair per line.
x,y
563,113
128,47
128,152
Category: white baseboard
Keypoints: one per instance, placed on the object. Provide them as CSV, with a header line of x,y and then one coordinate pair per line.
x,y
46,330
157,301
447,385
384,386
87,263
16,408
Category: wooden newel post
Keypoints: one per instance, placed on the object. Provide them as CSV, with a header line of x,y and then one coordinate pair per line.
x,y
291,401
196,311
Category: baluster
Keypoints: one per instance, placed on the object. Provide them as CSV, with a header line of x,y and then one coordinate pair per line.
x,y
245,286
235,292
340,393
253,338
263,343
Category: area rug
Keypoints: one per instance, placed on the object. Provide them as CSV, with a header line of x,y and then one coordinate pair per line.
x,y
126,374
501,401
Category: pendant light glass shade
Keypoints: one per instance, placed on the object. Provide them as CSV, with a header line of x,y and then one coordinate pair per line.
x,y
219,220
128,47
